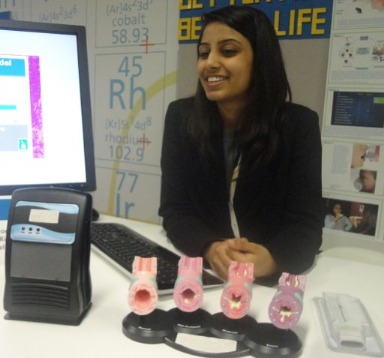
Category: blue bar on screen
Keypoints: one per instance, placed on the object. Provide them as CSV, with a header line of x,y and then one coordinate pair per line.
x,y
12,67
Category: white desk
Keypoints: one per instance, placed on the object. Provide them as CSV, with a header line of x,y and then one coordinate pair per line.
x,y
100,333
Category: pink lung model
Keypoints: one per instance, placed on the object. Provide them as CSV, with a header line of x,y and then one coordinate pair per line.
x,y
188,293
287,303
237,294
142,296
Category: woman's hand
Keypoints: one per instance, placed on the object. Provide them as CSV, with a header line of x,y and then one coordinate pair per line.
x,y
241,250
220,254
217,257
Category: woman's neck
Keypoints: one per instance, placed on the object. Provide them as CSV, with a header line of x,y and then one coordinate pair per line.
x,y
231,115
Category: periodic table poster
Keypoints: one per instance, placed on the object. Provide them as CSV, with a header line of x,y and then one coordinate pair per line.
x,y
132,55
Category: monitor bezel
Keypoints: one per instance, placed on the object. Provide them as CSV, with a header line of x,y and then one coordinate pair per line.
x,y
80,32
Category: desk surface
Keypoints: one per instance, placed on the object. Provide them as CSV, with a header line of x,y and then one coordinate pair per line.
x,y
100,333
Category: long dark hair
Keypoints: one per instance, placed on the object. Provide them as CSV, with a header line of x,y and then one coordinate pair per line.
x,y
269,88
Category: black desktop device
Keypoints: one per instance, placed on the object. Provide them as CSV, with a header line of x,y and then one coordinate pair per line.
x,y
47,256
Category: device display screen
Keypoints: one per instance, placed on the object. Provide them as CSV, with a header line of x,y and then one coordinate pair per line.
x,y
42,133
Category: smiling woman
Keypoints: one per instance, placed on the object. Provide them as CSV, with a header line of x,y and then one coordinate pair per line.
x,y
225,69
241,164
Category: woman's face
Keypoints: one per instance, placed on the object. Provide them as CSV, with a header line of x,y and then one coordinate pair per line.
x,y
377,4
368,181
224,66
337,209
358,153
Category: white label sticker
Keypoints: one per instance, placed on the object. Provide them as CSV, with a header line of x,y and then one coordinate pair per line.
x,y
44,216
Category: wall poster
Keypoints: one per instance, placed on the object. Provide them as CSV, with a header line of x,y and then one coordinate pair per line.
x,y
353,123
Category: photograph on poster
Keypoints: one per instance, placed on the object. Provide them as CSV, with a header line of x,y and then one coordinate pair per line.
x,y
357,57
358,109
350,216
364,180
365,155
358,13
353,167
354,113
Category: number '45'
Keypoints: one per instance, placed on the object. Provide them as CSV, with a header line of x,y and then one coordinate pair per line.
x,y
126,67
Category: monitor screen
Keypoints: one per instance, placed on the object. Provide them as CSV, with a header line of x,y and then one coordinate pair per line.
x,y
46,134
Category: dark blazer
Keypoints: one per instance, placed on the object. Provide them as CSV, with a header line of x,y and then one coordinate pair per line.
x,y
279,207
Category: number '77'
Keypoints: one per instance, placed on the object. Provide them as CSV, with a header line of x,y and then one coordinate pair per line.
x,y
123,176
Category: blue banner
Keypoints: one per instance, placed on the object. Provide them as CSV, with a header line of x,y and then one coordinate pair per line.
x,y
292,19
5,15
4,208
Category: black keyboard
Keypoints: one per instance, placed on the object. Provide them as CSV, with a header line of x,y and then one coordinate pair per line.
x,y
120,244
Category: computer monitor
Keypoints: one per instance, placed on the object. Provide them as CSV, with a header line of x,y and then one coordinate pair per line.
x,y
46,134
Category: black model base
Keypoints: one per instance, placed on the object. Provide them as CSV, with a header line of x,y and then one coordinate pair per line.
x,y
150,329
233,329
64,319
197,322
251,338
241,349
266,340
